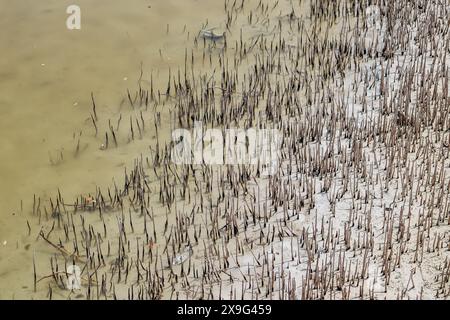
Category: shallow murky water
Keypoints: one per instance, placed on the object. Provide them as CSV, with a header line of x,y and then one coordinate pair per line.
x,y
47,74
51,143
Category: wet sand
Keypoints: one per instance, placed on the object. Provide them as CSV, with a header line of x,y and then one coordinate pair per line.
x,y
278,237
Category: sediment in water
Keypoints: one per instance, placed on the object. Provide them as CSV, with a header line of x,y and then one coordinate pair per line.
x,y
359,205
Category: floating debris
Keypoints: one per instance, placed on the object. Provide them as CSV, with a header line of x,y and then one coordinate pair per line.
x,y
211,35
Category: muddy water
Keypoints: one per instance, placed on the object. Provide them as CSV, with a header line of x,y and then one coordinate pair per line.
x,y
47,74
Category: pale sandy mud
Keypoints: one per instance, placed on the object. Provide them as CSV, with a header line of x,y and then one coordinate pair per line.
x,y
359,205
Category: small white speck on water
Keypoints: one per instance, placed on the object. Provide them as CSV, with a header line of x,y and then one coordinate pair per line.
x,y
75,104
125,78
42,64
5,243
